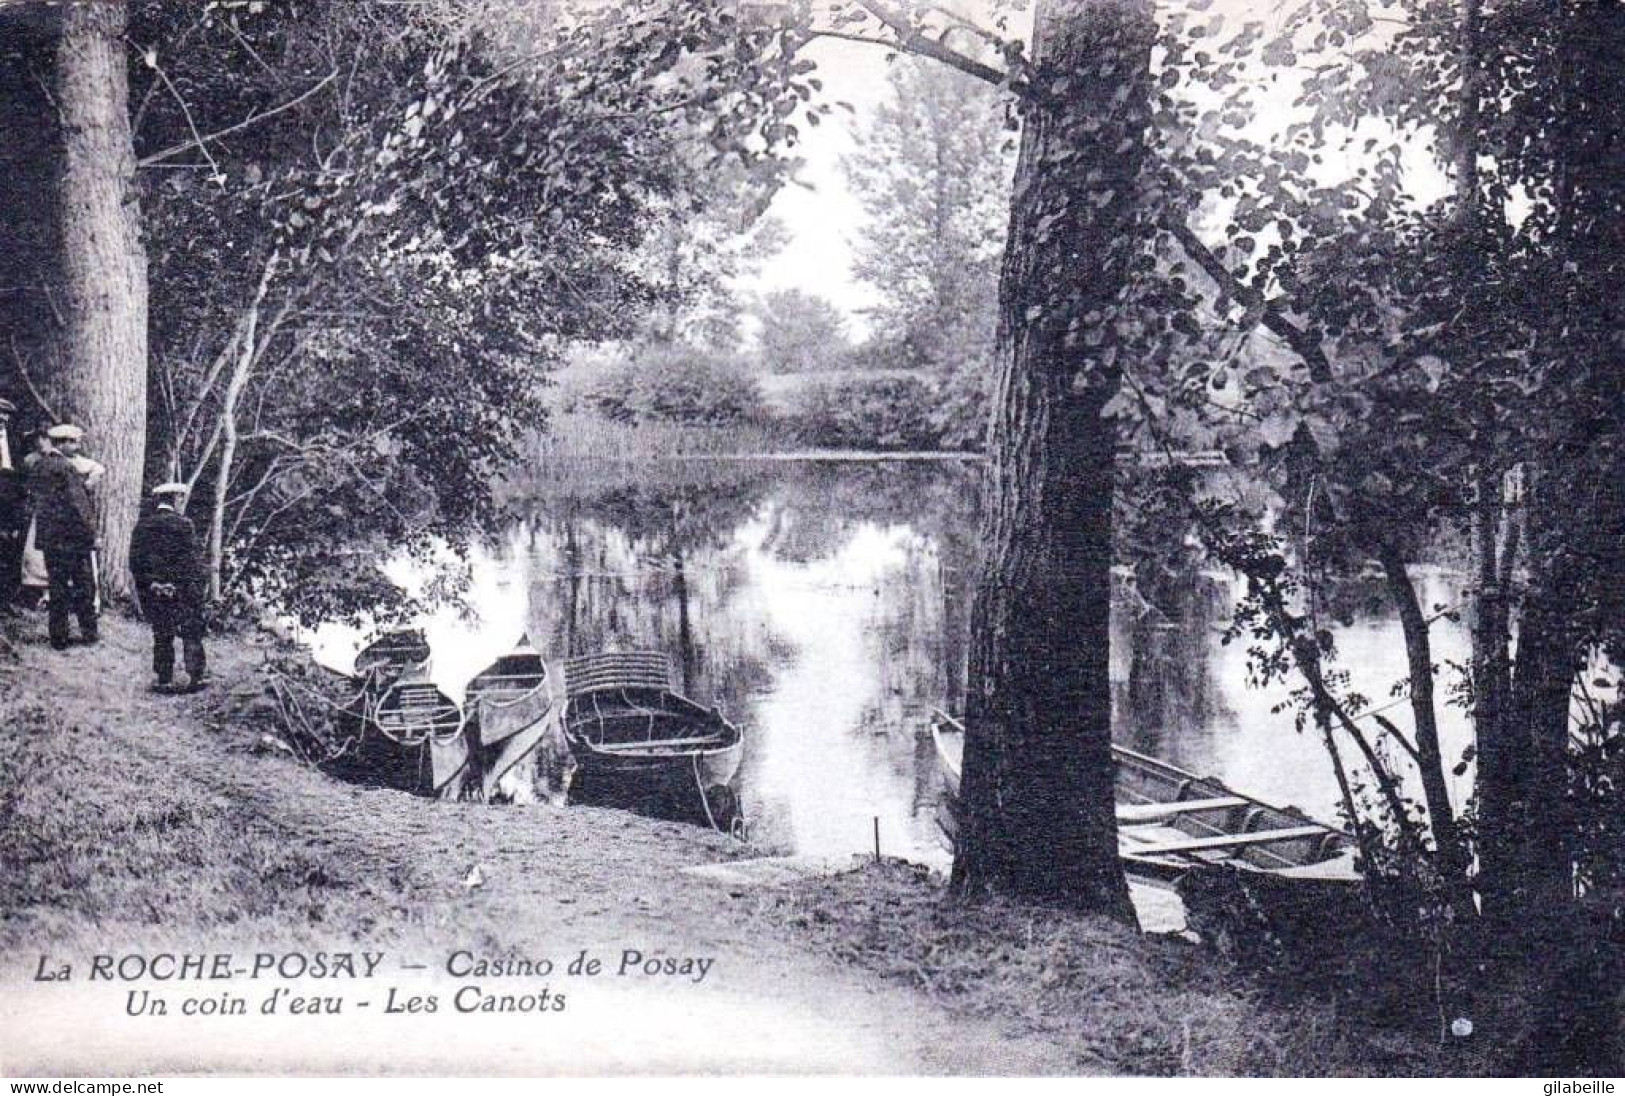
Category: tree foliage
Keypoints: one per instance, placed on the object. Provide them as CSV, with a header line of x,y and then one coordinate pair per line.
x,y
1419,268
358,290
932,171
800,333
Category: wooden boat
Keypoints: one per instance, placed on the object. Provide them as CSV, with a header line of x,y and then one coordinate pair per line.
x,y
412,732
510,695
1171,823
508,705
633,735
392,653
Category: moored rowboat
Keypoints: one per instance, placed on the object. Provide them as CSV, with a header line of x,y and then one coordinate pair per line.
x,y
510,695
631,733
511,709
391,654
1171,822
412,732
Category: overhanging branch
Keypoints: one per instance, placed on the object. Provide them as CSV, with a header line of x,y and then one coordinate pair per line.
x,y
1303,343
28,381
911,40
199,142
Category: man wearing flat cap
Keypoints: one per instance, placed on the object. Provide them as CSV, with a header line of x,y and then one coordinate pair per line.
x,y
169,579
65,531
13,510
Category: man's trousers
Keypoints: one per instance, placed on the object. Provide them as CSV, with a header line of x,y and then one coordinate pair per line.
x,y
73,588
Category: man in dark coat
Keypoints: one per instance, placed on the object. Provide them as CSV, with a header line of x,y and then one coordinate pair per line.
x,y
13,510
66,534
170,579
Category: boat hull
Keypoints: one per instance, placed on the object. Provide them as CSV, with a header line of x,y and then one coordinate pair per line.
x,y
421,768
639,744
413,737
1172,823
510,696
714,766
697,788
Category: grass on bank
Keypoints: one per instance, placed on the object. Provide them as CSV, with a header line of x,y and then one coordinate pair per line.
x,y
583,454
92,846
1125,1003
131,850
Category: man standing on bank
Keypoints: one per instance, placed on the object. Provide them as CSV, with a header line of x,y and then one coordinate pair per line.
x,y
170,581
66,533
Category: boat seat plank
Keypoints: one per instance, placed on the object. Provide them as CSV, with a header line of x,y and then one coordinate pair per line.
x,y
657,743
1231,841
1132,838
508,681
1152,812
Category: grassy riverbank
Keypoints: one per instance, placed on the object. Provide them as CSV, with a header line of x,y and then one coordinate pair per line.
x,y
144,822
1123,1003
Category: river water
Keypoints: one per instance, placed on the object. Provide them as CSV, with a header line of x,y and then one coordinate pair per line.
x,y
824,607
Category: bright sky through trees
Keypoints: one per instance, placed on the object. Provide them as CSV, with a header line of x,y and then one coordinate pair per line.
x,y
823,217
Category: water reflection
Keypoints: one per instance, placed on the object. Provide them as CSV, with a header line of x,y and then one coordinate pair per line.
x,y
1181,693
824,607
812,604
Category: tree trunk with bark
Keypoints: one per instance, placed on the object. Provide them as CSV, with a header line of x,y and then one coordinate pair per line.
x,y
1527,873
1038,772
1502,758
1525,820
1429,757
104,370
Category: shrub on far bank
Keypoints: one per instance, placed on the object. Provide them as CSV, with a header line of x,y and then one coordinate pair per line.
x,y
672,384
964,399
907,412
867,413
649,391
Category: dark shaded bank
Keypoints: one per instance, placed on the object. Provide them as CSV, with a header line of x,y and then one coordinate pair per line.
x,y
1123,1003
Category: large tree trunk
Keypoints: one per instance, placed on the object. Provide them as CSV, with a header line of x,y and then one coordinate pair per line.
x,y
104,370
1038,780
1524,819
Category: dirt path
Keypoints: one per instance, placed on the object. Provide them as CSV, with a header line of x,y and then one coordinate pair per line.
x,y
549,883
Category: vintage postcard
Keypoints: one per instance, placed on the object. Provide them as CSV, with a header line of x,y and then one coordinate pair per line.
x,y
861,537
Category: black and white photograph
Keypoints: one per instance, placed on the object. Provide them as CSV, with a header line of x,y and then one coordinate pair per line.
x,y
762,538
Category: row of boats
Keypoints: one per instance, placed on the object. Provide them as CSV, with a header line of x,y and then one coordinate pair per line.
x,y
614,722
624,734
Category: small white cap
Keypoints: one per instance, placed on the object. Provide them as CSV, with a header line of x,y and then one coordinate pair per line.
x,y
174,487
65,432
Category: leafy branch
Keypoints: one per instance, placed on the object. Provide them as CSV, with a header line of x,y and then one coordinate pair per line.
x,y
201,141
